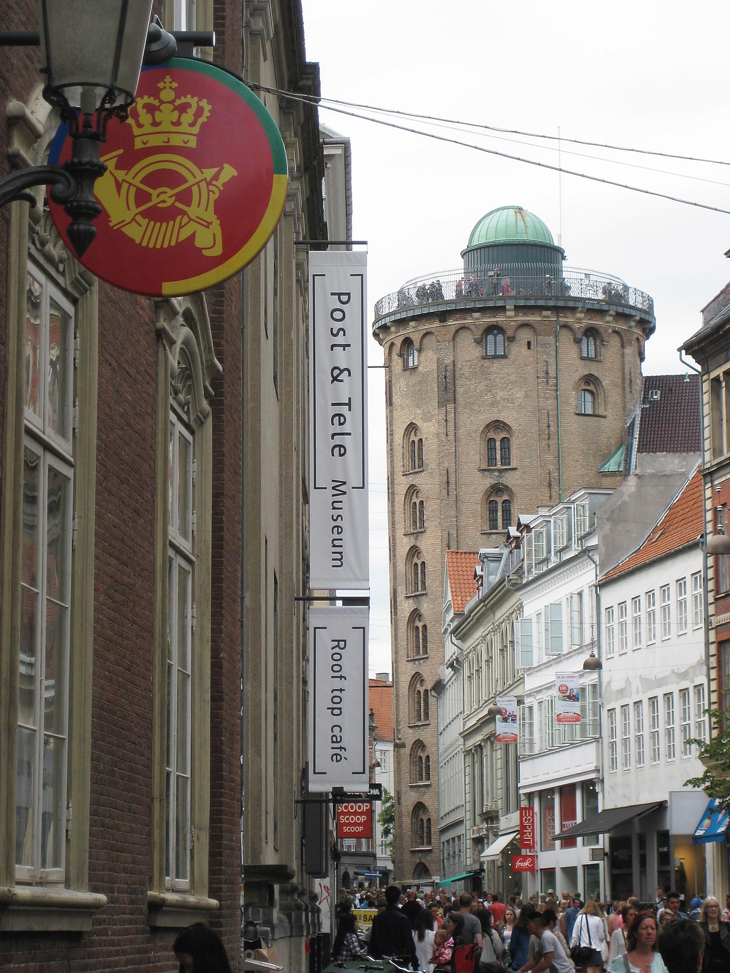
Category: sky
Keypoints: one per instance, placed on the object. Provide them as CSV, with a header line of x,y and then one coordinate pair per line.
x,y
640,74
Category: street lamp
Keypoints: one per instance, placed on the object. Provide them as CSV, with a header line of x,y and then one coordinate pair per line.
x,y
92,55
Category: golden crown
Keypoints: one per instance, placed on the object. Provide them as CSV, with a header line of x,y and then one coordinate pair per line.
x,y
167,123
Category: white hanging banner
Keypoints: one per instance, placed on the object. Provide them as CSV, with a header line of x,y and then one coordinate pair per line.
x,y
338,412
338,699
506,721
567,702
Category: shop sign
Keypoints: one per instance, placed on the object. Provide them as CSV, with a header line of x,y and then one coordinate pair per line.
x,y
355,820
567,691
527,828
524,863
195,184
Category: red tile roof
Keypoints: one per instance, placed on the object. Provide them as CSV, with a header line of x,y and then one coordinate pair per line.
x,y
682,523
670,415
460,569
381,703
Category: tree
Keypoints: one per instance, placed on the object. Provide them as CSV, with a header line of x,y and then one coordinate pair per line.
x,y
386,819
715,755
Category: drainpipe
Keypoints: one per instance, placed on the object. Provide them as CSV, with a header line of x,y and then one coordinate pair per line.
x,y
557,397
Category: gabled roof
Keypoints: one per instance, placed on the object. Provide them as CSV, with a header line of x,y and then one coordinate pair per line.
x,y
680,524
670,415
460,571
381,703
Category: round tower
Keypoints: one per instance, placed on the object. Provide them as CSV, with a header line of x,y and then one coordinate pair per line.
x,y
510,382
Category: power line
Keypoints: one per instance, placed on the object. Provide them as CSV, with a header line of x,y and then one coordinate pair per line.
x,y
504,155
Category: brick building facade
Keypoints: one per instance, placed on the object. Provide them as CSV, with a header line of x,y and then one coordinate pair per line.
x,y
509,385
140,497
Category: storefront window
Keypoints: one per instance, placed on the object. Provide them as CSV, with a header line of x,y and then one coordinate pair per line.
x,y
592,881
547,880
590,807
547,815
568,814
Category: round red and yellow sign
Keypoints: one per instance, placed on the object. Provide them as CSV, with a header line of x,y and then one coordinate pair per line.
x,y
195,182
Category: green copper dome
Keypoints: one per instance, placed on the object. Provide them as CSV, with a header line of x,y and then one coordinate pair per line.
x,y
510,224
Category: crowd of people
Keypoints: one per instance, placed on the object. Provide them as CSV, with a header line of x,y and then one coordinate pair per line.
x,y
545,933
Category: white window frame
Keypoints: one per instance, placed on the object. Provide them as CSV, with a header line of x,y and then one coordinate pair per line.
x,y
698,595
626,736
639,732
650,617
670,741
700,715
623,628
540,550
665,597
655,729
581,519
685,718
610,633
612,741
559,533
636,622
554,628
681,606
576,619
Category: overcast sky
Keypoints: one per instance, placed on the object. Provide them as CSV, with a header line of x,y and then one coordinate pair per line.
x,y
646,74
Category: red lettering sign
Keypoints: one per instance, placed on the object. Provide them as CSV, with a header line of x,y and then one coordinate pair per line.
x,y
524,863
568,814
355,820
527,828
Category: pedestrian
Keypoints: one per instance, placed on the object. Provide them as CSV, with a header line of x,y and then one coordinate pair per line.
x,y
492,946
443,947
391,934
472,926
198,949
641,945
553,956
681,945
346,945
617,946
588,933
510,918
570,916
412,907
519,947
717,938
423,938
672,904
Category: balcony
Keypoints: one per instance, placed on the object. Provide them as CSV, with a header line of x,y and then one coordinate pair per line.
x,y
448,290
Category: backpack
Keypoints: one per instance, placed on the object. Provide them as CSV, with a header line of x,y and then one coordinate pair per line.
x,y
466,958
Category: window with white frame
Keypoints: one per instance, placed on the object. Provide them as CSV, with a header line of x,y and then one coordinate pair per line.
x,y
589,711
650,617
685,716
184,14
670,748
181,625
610,633
523,643
44,646
636,622
558,533
527,730
576,618
581,519
554,628
612,741
539,539
697,600
540,633
666,607
700,715
623,627
681,606
654,729
626,737
639,732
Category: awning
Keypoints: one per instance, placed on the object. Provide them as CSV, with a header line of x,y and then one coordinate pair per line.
x,y
608,820
713,825
456,878
498,845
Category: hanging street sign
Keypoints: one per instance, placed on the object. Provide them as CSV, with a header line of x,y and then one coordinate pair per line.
x,y
195,183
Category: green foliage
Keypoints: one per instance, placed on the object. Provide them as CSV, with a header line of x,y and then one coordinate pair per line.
x,y
386,819
715,754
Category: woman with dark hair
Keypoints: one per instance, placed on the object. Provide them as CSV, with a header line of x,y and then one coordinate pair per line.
x,y
492,947
423,936
454,926
641,947
198,949
519,946
346,945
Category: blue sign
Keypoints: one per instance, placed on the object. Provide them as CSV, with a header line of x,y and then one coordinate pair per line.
x,y
713,825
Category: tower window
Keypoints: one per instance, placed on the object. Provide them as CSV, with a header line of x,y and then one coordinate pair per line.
x,y
586,402
491,452
588,345
494,515
505,451
506,514
410,354
494,343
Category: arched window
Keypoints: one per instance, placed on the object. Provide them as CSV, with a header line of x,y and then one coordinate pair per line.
x,y
412,449
418,700
505,451
414,515
586,402
414,512
420,826
409,353
588,345
421,872
421,515
491,452
417,635
427,767
506,514
419,764
494,343
493,515
415,572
